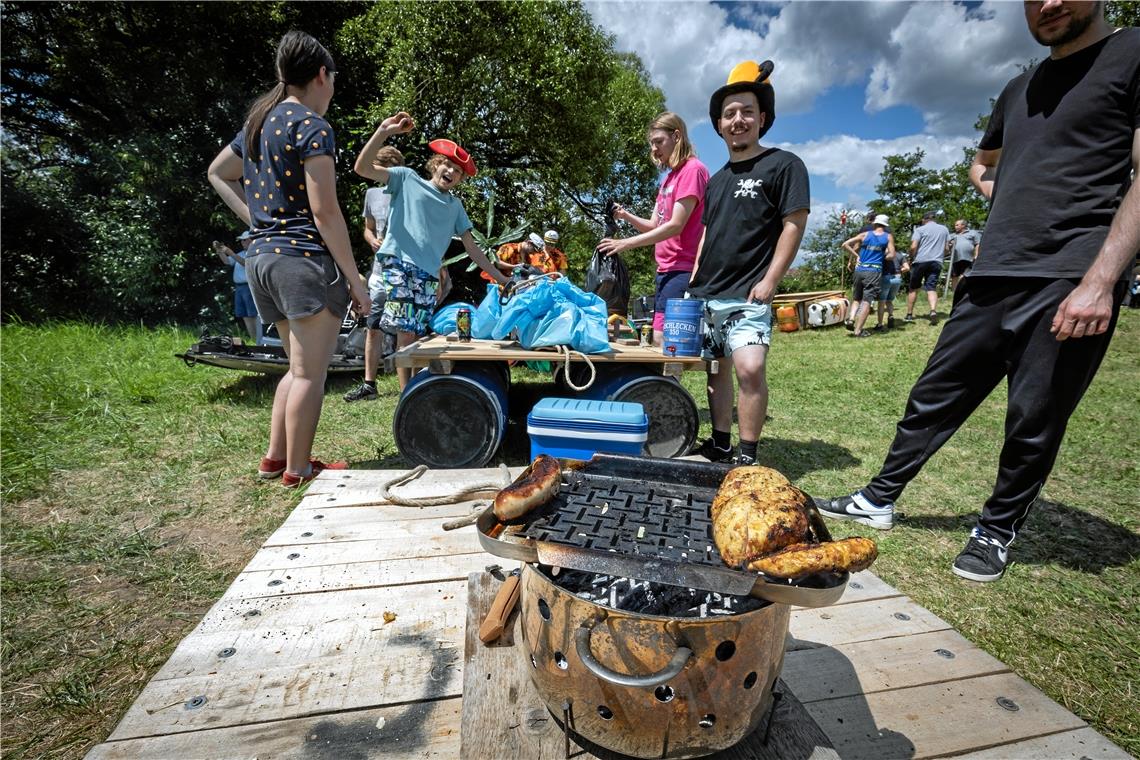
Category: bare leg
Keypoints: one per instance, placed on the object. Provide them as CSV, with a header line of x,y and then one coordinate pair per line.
x,y
860,320
251,325
932,299
720,393
911,297
280,398
311,342
751,373
853,311
403,340
373,347
882,307
658,338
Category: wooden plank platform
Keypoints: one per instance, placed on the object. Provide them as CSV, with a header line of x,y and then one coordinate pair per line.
x,y
350,641
439,351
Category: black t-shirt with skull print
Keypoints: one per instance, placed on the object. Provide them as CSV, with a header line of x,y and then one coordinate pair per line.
x,y
745,205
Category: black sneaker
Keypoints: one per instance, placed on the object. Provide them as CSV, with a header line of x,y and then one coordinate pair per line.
x,y
849,324
362,392
890,323
743,460
712,452
908,318
855,507
983,560
933,317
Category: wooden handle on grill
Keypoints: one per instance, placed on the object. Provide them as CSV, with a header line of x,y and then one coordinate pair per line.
x,y
501,608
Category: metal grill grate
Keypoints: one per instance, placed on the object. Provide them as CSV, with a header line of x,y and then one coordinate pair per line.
x,y
667,521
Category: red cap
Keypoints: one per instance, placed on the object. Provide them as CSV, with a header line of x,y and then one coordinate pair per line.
x,y
455,153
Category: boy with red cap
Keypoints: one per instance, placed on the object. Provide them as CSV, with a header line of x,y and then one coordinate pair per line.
x,y
424,216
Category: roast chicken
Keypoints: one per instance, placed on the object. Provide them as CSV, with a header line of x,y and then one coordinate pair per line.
x,y
761,522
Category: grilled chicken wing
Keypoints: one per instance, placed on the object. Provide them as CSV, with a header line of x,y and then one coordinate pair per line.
x,y
798,560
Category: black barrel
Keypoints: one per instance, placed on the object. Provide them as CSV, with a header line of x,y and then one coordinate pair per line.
x,y
455,420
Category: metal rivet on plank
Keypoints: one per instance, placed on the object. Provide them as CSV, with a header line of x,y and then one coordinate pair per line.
x,y
227,652
195,702
306,534
855,584
1006,703
252,613
902,616
944,653
318,517
294,555
276,582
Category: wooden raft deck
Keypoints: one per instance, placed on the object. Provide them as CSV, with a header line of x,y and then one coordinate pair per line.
x,y
297,659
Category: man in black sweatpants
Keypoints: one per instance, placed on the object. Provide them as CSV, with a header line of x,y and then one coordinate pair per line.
x,y
1040,304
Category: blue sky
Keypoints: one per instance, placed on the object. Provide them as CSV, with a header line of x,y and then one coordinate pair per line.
x,y
854,81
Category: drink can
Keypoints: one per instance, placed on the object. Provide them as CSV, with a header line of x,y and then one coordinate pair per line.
x,y
647,335
463,325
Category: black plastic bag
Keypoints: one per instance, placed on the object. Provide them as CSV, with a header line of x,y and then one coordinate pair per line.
x,y
608,276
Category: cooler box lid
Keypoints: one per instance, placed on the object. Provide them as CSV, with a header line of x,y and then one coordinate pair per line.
x,y
588,413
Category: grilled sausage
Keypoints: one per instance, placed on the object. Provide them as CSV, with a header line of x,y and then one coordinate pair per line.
x,y
798,560
538,484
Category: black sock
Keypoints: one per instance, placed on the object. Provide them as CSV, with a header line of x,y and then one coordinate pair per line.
x,y
748,449
371,384
722,439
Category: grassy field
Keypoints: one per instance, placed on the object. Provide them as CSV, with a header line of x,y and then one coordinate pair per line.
x,y
130,504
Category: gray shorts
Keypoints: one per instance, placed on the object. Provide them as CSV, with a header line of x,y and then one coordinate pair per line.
x,y
866,286
295,287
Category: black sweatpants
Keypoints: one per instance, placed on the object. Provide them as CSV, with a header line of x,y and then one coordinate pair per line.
x,y
999,327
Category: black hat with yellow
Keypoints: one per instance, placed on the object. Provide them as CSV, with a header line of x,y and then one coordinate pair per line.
x,y
748,76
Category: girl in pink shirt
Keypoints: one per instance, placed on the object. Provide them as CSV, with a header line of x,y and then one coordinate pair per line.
x,y
675,229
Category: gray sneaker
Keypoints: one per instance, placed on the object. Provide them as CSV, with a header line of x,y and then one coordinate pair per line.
x,y
362,392
856,507
983,560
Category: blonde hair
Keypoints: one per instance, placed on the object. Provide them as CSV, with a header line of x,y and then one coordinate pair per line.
x,y
388,156
435,160
683,150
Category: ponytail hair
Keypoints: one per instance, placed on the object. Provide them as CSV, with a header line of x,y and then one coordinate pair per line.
x,y
299,59
683,150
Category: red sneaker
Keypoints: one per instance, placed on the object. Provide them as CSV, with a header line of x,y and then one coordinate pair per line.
x,y
270,468
316,466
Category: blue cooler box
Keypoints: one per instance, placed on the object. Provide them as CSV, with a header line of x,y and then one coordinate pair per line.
x,y
579,428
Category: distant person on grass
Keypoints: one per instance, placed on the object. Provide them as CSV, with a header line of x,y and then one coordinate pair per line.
x,y
244,308
756,208
423,218
278,176
377,204
675,228
1040,304
894,270
963,248
875,247
927,248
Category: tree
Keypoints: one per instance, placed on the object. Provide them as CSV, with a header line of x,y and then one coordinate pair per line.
x,y
112,111
825,260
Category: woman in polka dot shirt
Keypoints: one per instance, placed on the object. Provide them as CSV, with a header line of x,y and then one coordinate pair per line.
x,y
277,175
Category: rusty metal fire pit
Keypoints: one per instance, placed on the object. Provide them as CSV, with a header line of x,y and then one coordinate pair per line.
x,y
651,685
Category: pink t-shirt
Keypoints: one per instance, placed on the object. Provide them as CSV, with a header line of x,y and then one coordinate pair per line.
x,y
679,253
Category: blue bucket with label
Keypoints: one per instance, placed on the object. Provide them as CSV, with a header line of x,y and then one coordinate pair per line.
x,y
455,420
682,330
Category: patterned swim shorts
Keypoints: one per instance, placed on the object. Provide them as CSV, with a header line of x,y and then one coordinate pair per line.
x,y
410,296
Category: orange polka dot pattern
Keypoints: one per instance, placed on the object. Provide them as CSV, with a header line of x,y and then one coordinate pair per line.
x,y
282,219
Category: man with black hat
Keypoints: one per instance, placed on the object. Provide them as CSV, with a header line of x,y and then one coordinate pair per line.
x,y
1040,304
756,208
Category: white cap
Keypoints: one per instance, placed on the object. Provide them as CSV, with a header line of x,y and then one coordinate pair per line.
x,y
882,219
550,236
536,241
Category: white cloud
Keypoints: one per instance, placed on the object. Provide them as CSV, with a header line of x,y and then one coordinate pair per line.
x,y
939,58
854,162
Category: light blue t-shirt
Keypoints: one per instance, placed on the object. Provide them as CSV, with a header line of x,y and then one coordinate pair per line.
x,y
422,220
239,273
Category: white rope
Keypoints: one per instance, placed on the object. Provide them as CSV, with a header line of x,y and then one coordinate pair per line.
x,y
475,491
566,351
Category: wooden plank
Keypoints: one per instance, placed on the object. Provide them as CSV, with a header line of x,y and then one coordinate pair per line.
x,y
452,542
416,731
860,621
337,577
939,719
314,526
437,348
1082,744
871,666
304,655
865,586
430,483
504,718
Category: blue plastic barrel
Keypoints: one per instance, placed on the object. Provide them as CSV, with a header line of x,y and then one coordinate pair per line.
x,y
682,330
454,420
673,419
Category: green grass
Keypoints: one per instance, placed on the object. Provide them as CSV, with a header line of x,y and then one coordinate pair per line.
x,y
130,504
